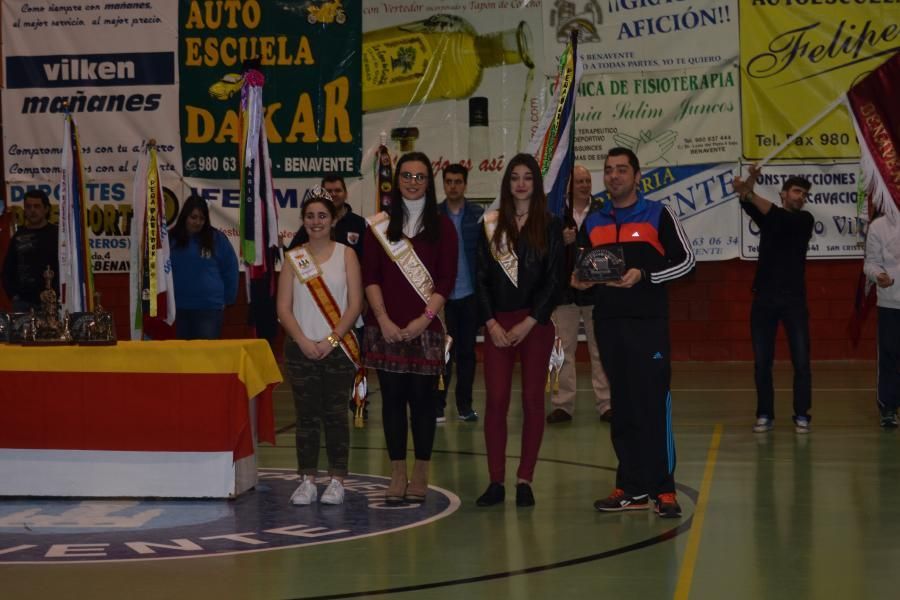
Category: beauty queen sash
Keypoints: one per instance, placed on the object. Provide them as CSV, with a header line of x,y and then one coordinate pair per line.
x,y
414,270
309,273
506,258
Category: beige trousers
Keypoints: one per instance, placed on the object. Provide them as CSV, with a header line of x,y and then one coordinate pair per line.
x,y
567,318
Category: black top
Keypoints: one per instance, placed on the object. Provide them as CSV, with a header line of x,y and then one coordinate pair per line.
x,y
539,278
348,230
783,240
30,252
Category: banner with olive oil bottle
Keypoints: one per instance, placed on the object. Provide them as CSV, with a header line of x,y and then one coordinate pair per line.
x,y
309,55
458,81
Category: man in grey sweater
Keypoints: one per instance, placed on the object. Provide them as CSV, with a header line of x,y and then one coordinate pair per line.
x,y
882,267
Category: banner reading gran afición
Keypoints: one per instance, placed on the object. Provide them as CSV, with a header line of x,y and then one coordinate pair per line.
x,y
643,35
796,58
309,54
683,117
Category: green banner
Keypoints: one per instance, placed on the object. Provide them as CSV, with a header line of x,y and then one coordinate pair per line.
x,y
309,54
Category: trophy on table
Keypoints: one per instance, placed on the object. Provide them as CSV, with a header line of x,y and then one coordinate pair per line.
x,y
43,327
94,328
601,264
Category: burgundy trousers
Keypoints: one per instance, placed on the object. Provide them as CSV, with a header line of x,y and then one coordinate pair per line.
x,y
534,352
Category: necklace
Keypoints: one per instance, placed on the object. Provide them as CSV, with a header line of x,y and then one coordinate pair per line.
x,y
520,215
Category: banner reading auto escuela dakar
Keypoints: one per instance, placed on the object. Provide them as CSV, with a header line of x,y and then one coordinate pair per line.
x,y
702,197
643,35
832,202
796,59
309,55
114,69
682,117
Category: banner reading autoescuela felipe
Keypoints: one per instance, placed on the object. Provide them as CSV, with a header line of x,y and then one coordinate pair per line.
x,y
796,58
309,54
113,68
643,35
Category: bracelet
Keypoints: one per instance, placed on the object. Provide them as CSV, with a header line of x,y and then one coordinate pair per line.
x,y
430,314
333,339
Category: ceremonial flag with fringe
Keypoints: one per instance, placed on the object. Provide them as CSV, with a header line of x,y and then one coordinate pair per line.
x,y
152,286
76,276
872,104
258,212
873,109
553,143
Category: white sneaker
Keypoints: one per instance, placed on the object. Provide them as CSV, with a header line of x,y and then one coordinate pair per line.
x,y
763,424
334,493
305,493
801,425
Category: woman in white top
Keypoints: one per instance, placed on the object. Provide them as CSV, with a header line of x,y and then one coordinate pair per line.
x,y
319,301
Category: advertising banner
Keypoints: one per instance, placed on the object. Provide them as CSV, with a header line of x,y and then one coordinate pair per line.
x,y
703,200
627,36
796,58
114,68
459,81
309,55
682,117
832,201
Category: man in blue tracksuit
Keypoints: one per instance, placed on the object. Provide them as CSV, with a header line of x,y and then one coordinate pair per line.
x,y
631,322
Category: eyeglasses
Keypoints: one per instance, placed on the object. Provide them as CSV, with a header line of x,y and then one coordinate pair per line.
x,y
419,177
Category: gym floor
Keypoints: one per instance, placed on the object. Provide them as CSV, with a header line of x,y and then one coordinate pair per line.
x,y
775,515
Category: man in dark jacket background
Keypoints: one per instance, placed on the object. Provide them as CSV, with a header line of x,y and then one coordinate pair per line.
x,y
461,310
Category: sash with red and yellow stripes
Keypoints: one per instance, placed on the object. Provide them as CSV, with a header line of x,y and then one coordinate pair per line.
x,y
310,274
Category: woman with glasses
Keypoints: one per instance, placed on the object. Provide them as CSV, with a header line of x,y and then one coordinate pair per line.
x,y
409,269
517,286
319,301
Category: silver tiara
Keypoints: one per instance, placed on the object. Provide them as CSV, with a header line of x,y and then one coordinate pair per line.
x,y
317,191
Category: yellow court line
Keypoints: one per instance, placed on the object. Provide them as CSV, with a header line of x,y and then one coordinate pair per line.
x,y
686,573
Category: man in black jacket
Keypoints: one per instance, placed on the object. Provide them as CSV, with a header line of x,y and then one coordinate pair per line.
x,y
32,249
631,321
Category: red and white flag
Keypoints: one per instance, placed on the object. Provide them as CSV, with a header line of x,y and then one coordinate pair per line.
x,y
875,113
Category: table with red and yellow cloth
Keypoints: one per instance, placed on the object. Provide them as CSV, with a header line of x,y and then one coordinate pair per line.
x,y
164,419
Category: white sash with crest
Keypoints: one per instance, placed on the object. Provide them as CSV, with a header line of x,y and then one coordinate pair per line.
x,y
404,255
506,258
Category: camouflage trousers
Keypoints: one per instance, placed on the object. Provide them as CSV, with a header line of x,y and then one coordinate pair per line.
x,y
321,389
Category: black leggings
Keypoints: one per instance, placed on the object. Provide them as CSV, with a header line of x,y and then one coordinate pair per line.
x,y
398,389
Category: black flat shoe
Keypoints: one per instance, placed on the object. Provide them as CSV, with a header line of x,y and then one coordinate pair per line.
x,y
495,494
524,495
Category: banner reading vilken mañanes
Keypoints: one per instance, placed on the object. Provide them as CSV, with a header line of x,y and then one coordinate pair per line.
x,y
309,54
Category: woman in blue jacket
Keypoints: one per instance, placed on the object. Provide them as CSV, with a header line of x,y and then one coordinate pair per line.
x,y
205,271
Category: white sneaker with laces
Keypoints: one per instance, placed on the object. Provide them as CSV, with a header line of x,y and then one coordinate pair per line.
x,y
305,493
763,424
334,493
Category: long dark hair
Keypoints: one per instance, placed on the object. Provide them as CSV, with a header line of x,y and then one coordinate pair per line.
x,y
431,219
535,229
206,235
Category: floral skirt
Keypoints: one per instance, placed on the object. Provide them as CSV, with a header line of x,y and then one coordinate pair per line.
x,y
423,355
